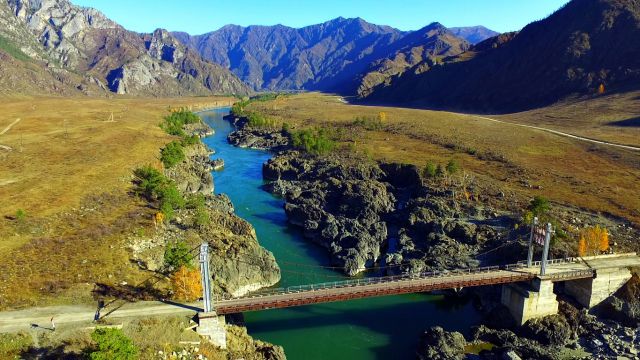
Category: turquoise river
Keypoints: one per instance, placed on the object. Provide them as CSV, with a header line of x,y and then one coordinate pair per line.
x,y
375,328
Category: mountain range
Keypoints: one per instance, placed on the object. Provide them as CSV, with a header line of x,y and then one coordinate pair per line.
x,y
332,56
55,47
583,48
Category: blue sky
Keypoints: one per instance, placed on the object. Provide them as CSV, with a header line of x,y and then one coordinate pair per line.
x,y
200,16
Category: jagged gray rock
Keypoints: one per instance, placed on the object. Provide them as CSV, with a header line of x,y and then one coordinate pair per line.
x,y
366,213
438,344
79,40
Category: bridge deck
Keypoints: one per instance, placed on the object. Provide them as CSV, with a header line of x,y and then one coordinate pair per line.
x,y
557,270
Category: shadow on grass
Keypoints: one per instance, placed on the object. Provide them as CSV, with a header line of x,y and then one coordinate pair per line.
x,y
131,293
633,122
50,353
125,293
184,306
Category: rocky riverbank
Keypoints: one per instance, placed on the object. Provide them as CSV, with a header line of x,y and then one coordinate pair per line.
x,y
255,138
572,334
238,261
241,265
370,214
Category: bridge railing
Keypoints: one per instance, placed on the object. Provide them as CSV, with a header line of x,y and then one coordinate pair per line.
x,y
551,262
394,278
371,281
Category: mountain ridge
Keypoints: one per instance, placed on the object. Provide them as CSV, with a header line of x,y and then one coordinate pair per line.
x,y
97,55
330,56
585,44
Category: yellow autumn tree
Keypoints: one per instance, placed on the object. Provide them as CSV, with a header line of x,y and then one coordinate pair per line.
x,y
187,284
382,116
604,240
158,219
582,246
601,89
593,240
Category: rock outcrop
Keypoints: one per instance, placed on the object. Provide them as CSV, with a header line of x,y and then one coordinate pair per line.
x,y
368,214
76,40
193,176
437,344
238,261
247,136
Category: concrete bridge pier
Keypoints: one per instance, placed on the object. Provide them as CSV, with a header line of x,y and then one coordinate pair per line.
x,y
591,292
211,326
531,300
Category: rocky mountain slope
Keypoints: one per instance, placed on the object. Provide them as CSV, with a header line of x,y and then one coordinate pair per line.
x,y
23,62
280,57
582,45
335,55
473,34
427,46
82,49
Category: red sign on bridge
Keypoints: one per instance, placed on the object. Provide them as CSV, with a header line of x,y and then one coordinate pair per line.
x,y
539,235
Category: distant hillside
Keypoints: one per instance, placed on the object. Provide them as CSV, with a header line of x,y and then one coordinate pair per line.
x,y
427,46
473,34
280,57
77,49
582,45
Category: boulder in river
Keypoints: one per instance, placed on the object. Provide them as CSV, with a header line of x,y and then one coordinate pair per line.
x,y
438,344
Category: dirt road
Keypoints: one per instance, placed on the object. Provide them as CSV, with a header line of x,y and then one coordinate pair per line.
x,y
560,133
10,126
78,315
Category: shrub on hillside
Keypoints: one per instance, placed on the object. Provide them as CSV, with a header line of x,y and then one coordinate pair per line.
x,y
452,167
112,344
186,284
314,141
155,187
370,122
201,217
430,170
147,181
177,255
174,123
170,199
172,154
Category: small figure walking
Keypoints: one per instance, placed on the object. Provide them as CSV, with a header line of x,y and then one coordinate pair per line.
x,y
53,325
96,317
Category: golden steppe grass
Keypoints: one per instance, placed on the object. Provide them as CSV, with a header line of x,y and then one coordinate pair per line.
x,y
512,159
611,117
70,171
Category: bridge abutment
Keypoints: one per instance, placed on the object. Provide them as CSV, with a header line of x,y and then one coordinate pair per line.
x,y
591,292
530,301
211,326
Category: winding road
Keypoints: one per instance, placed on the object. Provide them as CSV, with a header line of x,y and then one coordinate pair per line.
x,y
560,133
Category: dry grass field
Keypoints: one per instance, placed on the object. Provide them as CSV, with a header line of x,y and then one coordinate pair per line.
x,y
65,173
509,159
614,118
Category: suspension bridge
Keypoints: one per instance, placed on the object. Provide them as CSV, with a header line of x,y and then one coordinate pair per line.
x,y
559,270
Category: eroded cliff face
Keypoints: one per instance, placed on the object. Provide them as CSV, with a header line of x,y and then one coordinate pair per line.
x,y
83,40
238,263
58,24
